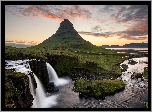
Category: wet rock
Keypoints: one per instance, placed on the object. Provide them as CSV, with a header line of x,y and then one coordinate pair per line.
x,y
51,87
132,62
139,79
124,67
136,75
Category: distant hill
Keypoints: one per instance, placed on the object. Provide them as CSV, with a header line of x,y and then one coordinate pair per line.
x,y
17,45
131,45
66,38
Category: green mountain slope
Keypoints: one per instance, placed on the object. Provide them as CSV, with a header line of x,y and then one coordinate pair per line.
x,y
67,38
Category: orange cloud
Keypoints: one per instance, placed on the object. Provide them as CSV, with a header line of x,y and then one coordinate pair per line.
x,y
52,12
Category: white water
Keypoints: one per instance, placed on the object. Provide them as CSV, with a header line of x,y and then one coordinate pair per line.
x,y
53,76
32,92
40,98
137,68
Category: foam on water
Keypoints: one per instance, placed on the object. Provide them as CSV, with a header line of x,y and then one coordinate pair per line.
x,y
137,68
53,76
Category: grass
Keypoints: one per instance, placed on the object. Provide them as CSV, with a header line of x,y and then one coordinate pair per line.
x,y
145,72
98,88
146,104
106,64
10,89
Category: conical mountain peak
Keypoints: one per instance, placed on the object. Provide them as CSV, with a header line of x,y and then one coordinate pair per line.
x,y
66,37
65,26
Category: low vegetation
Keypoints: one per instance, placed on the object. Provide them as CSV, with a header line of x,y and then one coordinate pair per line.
x,y
145,72
17,92
98,88
146,104
77,65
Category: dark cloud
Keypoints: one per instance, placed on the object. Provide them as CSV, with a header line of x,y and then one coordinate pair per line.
x,y
133,13
96,29
135,18
104,34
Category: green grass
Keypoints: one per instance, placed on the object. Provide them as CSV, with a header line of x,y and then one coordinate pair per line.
x,y
145,72
98,88
108,62
10,89
146,105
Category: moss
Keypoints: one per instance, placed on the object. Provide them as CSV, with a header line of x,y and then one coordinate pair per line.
x,y
146,105
17,92
145,72
98,88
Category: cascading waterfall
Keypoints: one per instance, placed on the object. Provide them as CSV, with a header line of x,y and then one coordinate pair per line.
x,y
40,93
40,98
53,76
32,92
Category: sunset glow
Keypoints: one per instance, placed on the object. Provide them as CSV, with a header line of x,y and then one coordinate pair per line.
x,y
99,24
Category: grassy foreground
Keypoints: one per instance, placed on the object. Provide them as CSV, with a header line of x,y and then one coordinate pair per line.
x,y
105,64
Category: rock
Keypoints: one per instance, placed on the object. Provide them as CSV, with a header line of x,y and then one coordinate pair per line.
x,y
17,91
146,80
139,79
136,75
132,62
51,87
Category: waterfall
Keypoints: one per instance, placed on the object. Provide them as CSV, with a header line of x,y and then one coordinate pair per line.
x,y
39,95
40,99
52,74
53,77
32,92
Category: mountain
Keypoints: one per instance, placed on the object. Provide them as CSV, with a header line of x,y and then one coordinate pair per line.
x,y
17,45
66,38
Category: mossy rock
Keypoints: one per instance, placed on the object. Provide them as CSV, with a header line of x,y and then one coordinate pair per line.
x,y
17,91
99,88
145,72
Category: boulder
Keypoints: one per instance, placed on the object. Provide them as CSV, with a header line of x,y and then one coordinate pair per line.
x,y
136,75
51,87
132,62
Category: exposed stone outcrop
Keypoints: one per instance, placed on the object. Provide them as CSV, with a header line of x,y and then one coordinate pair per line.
x,y
17,91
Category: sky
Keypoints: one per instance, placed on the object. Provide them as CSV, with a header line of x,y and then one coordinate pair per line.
x,y
98,24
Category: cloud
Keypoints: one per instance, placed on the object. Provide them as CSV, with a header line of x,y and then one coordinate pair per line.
x,y
104,34
53,12
32,43
9,41
126,13
96,29
19,41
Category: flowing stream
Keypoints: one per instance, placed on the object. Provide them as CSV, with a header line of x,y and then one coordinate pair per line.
x,y
134,95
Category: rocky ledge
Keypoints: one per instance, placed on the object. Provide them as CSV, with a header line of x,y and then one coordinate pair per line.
x,y
17,91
